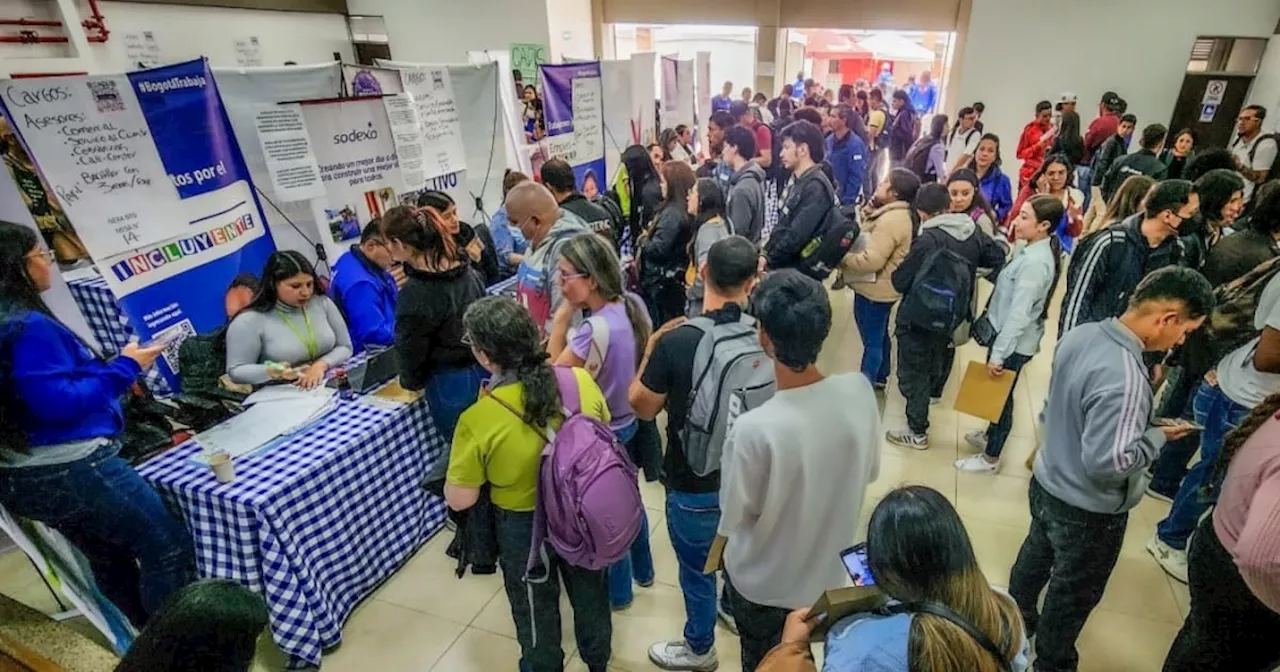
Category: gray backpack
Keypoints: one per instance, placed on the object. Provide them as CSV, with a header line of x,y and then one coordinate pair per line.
x,y
731,375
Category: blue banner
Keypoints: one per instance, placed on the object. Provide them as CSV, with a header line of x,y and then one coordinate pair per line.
x,y
574,103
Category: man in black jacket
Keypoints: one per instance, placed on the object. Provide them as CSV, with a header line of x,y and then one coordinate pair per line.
x,y
1115,147
1108,265
1145,161
557,175
807,198
921,353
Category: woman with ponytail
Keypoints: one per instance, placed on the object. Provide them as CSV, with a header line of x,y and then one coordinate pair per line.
x,y
498,444
439,285
919,555
1234,559
1013,325
608,341
60,427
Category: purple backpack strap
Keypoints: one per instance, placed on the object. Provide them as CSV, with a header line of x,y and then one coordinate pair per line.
x,y
567,383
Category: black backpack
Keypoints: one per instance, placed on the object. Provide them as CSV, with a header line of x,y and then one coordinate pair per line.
x,y
839,229
917,159
1273,137
618,221
940,296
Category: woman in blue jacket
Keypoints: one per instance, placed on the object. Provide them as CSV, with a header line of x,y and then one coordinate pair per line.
x,y
994,183
60,423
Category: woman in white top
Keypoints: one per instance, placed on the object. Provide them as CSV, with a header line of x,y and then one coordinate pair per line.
x,y
1016,315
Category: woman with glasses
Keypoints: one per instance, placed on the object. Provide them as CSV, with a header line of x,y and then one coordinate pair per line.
x,y
440,284
498,445
60,427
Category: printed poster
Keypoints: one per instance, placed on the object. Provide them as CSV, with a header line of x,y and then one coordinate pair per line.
x,y
437,110
286,148
93,144
213,232
575,121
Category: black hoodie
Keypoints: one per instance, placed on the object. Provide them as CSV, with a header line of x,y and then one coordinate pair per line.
x,y
429,322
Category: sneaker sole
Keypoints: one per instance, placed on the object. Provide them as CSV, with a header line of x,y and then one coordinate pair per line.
x,y
907,444
1155,553
663,666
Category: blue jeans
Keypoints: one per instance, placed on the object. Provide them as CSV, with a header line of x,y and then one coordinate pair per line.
x,y
140,553
872,320
449,392
1219,415
1171,465
998,432
638,564
1083,175
692,519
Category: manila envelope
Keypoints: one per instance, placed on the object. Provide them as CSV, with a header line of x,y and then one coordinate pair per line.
x,y
983,396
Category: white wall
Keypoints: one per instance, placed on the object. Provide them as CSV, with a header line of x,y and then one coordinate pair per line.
x,y
443,31
569,25
1266,88
182,33
1021,51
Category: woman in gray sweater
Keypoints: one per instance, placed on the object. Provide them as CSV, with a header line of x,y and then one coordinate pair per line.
x,y
291,331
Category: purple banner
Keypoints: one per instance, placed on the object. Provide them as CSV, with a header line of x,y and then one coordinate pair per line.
x,y
573,98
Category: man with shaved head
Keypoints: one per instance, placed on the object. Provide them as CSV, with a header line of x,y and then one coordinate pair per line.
x,y
534,211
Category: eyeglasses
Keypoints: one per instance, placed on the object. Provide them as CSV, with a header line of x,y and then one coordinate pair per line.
x,y
566,277
467,341
47,255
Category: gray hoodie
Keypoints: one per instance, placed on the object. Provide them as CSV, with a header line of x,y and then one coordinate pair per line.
x,y
1098,435
745,208
536,286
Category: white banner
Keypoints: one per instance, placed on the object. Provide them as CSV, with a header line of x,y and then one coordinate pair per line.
x,y
684,95
432,91
644,89
620,129
282,134
93,145
704,93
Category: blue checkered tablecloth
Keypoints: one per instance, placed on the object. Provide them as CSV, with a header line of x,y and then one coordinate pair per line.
x,y
109,324
316,523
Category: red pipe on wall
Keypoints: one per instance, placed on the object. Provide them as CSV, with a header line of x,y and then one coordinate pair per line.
x,y
30,22
95,28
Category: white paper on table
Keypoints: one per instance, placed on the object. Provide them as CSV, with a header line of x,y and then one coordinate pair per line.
x,y
286,147
432,92
261,423
93,145
859,245
588,120
406,133
272,393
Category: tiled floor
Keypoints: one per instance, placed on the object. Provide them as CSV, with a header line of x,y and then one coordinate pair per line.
x,y
425,619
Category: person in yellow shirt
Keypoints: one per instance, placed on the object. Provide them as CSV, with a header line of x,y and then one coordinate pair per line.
x,y
494,446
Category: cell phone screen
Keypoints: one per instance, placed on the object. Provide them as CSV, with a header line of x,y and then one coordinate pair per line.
x,y
855,561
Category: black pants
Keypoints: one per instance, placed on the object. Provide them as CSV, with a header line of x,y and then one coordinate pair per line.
x,y
921,356
535,607
665,299
1073,551
943,372
759,626
1228,628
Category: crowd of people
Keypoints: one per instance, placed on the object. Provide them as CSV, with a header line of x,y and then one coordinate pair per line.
x,y
694,287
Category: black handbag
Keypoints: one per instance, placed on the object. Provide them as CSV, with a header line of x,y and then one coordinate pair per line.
x,y
984,332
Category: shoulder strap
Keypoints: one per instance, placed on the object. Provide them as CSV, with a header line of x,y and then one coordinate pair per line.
x,y
599,348
943,611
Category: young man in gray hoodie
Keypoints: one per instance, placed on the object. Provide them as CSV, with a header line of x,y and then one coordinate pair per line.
x,y
746,187
1099,439
923,354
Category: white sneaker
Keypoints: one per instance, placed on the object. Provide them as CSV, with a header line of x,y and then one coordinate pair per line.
x,y
935,401
1172,561
676,655
977,438
977,464
908,439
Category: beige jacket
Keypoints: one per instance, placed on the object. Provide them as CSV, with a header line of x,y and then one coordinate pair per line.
x,y
888,232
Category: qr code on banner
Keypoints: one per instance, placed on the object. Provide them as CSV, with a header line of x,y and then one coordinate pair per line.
x,y
173,336
106,95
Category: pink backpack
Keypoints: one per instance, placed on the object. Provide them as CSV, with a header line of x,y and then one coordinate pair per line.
x,y
589,505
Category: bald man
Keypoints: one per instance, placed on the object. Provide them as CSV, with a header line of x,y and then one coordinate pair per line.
x,y
533,210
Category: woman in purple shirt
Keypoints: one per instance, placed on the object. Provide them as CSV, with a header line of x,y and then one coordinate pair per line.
x,y
608,341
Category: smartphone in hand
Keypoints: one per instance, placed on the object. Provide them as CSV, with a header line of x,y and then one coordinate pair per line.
x,y
855,562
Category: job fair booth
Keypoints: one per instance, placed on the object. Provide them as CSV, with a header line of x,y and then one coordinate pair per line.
x,y
156,188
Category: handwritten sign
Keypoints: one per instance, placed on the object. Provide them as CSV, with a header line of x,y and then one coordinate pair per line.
x,y
432,93
526,58
92,143
588,119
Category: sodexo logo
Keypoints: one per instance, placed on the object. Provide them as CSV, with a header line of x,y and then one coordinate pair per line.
x,y
356,135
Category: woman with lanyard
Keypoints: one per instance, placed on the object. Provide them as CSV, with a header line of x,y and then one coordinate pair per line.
x,y
291,331
60,427
1056,177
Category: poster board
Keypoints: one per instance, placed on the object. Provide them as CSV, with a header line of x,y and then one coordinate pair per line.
x,y
573,95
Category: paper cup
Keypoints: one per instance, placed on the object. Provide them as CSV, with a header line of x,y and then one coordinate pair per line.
x,y
224,469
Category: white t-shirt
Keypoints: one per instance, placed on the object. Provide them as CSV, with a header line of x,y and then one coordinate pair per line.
x,y
1262,159
962,143
1237,378
792,483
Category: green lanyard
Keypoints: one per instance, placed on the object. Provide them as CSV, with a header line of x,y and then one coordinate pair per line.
x,y
309,340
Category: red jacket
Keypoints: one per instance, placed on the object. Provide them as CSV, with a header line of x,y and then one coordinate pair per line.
x,y
1031,150
1100,130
